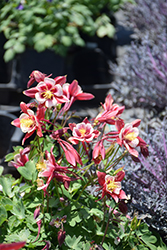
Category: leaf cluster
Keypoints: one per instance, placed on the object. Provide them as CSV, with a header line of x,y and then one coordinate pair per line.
x,y
53,24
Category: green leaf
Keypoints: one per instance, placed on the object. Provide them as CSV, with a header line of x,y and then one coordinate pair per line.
x,y
1,170
75,187
10,43
29,172
7,203
6,183
149,240
96,212
19,210
73,242
23,235
75,218
77,18
19,47
66,41
13,222
9,55
3,214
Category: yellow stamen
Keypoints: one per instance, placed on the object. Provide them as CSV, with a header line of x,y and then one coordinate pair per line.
x,y
111,185
130,136
40,166
47,94
27,122
82,131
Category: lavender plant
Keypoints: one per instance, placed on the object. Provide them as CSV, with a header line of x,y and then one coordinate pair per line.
x,y
147,182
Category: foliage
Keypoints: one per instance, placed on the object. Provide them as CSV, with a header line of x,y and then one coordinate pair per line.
x,y
63,171
143,16
149,178
53,24
143,68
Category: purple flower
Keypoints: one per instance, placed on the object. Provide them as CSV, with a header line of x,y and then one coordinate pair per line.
x,y
20,7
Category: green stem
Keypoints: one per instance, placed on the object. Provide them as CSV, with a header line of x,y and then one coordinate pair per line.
x,y
43,212
116,151
116,161
104,203
108,223
83,190
86,167
57,191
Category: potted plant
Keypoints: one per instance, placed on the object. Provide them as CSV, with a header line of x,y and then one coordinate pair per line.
x,y
55,25
69,194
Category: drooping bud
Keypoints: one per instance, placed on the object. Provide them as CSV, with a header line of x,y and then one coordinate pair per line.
x,y
61,236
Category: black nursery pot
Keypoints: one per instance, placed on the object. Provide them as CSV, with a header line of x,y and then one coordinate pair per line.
x,y
47,62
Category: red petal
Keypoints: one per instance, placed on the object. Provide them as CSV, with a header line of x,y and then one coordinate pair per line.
x,y
12,246
84,96
101,177
119,176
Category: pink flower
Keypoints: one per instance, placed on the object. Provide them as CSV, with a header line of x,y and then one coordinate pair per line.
x,y
21,158
111,185
12,246
71,154
111,112
37,76
98,152
28,122
74,92
52,170
83,132
129,137
47,92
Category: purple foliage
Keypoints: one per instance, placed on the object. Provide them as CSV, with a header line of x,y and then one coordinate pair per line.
x,y
145,70
147,16
147,183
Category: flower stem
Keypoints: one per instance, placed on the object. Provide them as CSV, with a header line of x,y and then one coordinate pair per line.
x,y
109,216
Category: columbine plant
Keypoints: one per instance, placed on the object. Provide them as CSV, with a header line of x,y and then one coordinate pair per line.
x,y
69,195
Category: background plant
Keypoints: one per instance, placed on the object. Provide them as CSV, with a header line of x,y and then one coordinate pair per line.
x,y
54,24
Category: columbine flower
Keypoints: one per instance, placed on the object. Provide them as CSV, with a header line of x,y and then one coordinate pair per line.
x,y
21,158
128,136
28,122
53,170
111,112
71,154
74,92
37,76
83,132
98,152
61,236
111,185
47,92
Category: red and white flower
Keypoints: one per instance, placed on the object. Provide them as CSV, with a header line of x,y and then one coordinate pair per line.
x,y
129,137
51,169
111,185
48,92
83,132
111,112
74,92
21,158
28,122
